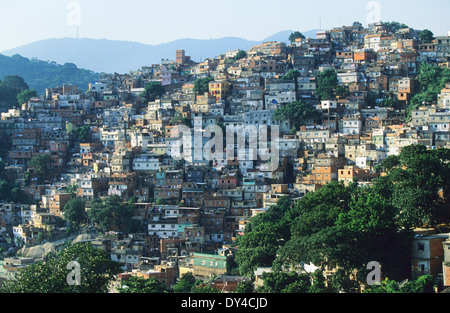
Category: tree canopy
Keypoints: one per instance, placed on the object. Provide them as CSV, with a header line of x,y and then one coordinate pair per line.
x,y
431,79
201,85
10,89
152,91
112,213
39,167
186,284
426,36
292,74
298,112
55,273
395,26
423,284
349,226
82,134
25,96
74,211
295,35
41,74
327,82
417,184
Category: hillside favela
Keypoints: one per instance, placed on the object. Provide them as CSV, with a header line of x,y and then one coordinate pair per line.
x,y
314,164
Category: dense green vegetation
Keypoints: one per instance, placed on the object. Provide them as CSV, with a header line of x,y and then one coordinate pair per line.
x,y
39,168
292,74
112,213
153,91
41,74
327,82
298,112
9,191
201,85
51,275
25,96
431,80
296,35
424,284
350,226
74,211
13,90
82,134
395,26
426,36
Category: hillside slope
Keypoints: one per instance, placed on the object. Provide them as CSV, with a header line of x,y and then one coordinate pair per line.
x,y
40,75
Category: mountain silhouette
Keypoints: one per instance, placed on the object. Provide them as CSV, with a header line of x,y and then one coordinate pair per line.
x,y
113,56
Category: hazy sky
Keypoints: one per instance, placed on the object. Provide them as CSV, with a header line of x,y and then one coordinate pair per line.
x,y
154,22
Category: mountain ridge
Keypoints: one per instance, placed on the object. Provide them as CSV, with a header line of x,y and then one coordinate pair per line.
x,y
119,56
40,75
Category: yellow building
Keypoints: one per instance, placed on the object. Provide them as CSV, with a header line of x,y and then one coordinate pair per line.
x,y
219,89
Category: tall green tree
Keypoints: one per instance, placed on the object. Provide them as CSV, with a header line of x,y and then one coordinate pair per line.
x,y
285,282
292,74
10,88
258,248
297,112
82,134
240,55
186,283
417,176
25,96
40,165
341,92
395,26
201,85
245,287
390,101
56,273
293,36
426,36
74,211
112,213
431,80
152,92
327,82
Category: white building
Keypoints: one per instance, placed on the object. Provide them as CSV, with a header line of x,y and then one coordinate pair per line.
x,y
352,125
163,229
144,162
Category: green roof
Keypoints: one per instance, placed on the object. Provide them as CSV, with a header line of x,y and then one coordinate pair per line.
x,y
210,260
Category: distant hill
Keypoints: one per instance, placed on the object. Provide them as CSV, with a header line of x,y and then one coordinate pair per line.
x,y
109,56
40,75
284,35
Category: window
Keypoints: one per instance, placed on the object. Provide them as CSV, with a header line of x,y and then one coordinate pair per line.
x,y
420,247
423,267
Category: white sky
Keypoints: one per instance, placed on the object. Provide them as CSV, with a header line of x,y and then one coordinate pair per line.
x,y
154,22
